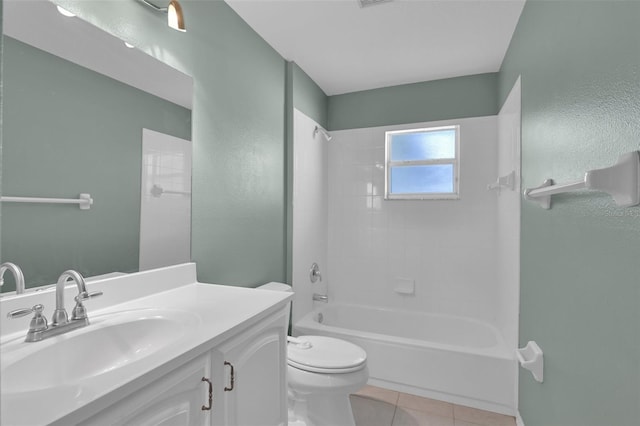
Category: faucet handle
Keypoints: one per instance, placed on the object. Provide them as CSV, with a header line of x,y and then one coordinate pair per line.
x,y
86,296
314,273
38,322
20,312
79,311
17,313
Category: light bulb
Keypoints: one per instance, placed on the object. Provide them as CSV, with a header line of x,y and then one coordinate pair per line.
x,y
175,18
65,12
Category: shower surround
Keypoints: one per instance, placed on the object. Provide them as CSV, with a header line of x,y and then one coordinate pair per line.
x,y
430,259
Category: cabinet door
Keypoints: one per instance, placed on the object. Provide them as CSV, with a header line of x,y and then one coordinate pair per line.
x,y
175,399
253,368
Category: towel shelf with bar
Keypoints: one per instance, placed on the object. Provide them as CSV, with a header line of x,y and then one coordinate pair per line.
x,y
84,201
621,181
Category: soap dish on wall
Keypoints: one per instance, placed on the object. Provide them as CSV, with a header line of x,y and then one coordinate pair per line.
x,y
404,286
503,182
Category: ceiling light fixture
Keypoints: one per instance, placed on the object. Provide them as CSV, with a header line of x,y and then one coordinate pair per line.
x,y
175,17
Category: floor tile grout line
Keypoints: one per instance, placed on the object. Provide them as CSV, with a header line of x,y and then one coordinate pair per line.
x,y
395,410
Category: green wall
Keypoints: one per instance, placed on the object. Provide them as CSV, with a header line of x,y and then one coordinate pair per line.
x,y
69,130
459,97
308,97
580,266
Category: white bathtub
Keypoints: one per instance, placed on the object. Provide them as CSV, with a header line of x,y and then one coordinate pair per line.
x,y
454,359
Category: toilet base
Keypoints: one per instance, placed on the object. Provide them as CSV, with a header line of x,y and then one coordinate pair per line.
x,y
322,412
322,399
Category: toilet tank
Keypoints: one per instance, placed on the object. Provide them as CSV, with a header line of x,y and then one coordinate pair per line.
x,y
276,286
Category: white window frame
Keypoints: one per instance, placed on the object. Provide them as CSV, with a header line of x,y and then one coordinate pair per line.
x,y
455,195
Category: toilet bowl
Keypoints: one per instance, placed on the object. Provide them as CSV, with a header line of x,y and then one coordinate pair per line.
x,y
321,373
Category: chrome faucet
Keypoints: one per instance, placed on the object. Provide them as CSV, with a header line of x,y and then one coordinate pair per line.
x,y
60,316
17,274
60,323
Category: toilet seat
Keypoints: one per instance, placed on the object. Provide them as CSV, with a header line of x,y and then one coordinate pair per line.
x,y
321,354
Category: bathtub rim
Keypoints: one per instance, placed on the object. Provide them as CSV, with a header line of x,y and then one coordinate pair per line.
x,y
500,350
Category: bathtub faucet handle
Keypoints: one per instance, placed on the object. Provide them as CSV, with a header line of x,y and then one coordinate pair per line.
x,y
314,273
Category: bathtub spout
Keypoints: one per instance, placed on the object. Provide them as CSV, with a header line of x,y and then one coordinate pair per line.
x,y
320,297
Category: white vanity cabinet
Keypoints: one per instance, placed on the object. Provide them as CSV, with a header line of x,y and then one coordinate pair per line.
x,y
253,368
248,382
175,399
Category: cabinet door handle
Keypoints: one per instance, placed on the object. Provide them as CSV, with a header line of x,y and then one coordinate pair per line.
x,y
233,377
204,407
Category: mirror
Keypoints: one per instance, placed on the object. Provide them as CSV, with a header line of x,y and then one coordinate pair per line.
x,y
75,103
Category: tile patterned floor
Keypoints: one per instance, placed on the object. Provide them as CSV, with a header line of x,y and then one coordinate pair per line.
x,y
373,406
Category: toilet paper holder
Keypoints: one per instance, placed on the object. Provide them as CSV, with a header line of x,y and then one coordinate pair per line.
x,y
531,358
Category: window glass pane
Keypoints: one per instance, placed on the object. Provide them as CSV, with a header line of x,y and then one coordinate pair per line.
x,y
422,179
431,145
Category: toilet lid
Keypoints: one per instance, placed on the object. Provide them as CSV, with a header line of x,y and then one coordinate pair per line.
x,y
325,355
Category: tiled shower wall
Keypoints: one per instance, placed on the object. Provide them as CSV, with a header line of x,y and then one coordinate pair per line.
x,y
309,212
448,248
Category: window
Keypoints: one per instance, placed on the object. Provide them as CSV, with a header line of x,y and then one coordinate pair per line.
x,y
422,164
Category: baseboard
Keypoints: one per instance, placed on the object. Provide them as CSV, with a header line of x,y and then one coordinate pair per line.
x,y
519,421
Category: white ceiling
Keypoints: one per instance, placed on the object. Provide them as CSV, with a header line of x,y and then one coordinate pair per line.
x,y
346,48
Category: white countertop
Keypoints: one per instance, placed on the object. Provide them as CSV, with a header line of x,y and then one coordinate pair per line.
x,y
216,313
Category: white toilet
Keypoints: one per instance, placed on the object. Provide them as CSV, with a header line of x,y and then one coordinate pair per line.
x,y
321,373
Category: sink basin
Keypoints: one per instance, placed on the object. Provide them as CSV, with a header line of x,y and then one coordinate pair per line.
x,y
107,344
